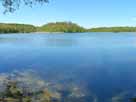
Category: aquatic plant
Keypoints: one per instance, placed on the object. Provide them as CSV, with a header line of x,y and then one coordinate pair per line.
x,y
27,87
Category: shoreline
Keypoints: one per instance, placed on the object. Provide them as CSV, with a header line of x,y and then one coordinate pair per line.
x,y
61,32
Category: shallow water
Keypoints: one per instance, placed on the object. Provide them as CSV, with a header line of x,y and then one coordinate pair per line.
x,y
104,64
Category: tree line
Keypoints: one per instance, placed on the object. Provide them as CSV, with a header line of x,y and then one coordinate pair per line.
x,y
50,27
16,28
62,27
66,27
113,29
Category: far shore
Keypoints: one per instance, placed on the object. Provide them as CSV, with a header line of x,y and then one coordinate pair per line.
x,y
47,32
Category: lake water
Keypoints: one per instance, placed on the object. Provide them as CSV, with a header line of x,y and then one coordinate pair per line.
x,y
102,64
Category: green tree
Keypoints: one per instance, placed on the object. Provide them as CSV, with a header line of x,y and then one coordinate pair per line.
x,y
16,28
67,27
12,5
113,29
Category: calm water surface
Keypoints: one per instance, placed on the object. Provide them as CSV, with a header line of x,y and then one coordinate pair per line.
x,y
103,63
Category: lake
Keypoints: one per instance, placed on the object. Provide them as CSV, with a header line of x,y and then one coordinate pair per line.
x,y
103,65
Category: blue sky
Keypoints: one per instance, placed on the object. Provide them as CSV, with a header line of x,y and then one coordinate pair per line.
x,y
87,13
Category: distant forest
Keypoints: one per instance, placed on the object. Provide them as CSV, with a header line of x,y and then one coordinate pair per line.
x,y
16,28
66,27
113,29
62,27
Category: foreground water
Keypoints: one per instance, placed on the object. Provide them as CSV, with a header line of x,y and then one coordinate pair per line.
x,y
103,65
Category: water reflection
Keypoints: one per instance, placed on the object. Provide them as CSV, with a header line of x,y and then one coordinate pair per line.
x,y
103,64
46,40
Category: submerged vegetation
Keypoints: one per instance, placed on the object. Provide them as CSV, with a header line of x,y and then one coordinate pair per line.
x,y
28,87
65,27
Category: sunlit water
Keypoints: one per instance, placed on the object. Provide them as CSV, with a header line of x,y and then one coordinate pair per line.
x,y
104,64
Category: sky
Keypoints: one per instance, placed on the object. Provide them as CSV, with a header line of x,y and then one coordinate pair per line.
x,y
87,13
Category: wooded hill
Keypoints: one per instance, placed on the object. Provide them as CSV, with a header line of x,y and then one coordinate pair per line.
x,y
16,28
66,27
62,27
